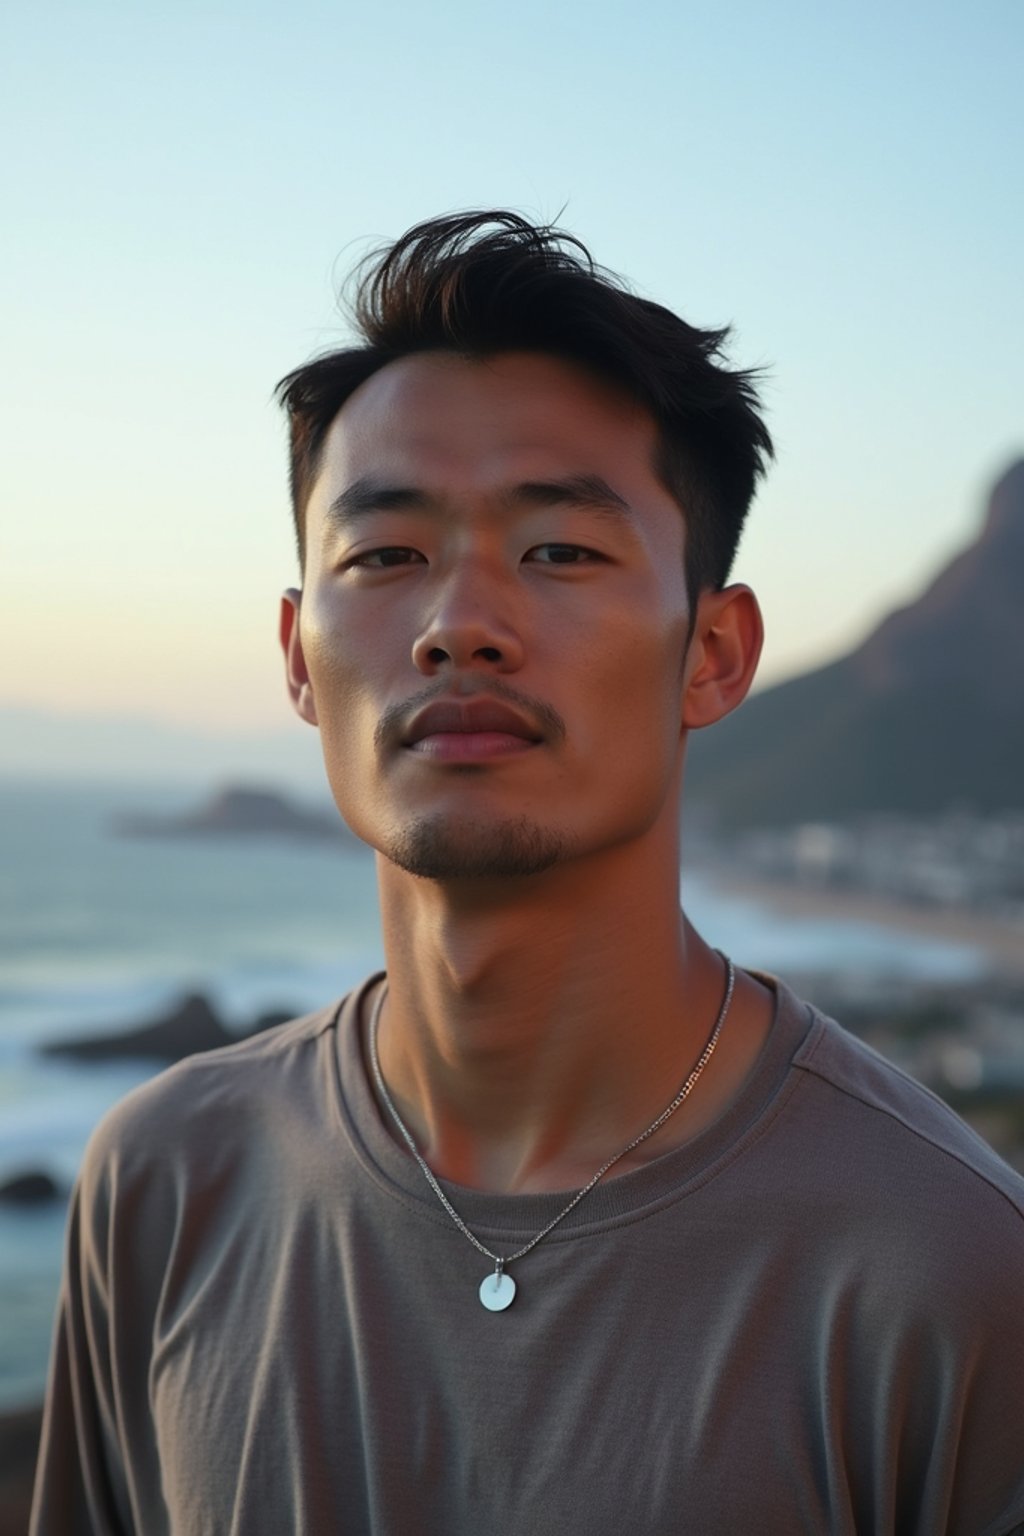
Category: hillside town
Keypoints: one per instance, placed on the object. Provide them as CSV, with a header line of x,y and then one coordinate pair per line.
x,y
956,860
957,878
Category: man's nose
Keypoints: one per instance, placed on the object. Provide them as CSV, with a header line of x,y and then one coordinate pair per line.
x,y
469,624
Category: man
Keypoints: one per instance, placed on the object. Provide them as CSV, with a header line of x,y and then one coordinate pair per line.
x,y
565,1224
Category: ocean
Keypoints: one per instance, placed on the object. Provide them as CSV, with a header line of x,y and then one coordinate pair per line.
x,y
100,932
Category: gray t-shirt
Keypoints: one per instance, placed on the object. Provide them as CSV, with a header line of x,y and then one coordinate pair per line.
x,y
810,1318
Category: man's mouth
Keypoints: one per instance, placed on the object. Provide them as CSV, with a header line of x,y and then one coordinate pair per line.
x,y
470,730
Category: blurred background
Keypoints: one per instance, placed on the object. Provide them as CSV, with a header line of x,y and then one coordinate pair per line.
x,y
185,190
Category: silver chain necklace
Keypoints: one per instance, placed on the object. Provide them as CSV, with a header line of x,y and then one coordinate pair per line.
x,y
498,1291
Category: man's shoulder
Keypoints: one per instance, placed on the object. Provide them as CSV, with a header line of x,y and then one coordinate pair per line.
x,y
210,1101
902,1118
881,1195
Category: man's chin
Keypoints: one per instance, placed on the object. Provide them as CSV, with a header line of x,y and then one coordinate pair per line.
x,y
435,849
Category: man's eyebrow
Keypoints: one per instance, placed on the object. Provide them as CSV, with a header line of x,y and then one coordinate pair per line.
x,y
592,492
585,491
369,495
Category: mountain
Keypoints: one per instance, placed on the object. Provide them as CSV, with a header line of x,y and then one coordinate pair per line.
x,y
928,712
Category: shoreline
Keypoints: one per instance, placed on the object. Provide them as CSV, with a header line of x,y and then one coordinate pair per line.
x,y
1001,940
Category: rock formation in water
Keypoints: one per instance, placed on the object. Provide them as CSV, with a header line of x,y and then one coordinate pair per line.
x,y
240,811
192,1025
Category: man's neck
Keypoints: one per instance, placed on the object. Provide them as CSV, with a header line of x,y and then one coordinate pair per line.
x,y
529,1034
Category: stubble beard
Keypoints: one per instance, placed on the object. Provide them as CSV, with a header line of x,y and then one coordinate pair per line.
x,y
434,849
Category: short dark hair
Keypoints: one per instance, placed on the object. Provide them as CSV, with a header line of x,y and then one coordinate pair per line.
x,y
481,283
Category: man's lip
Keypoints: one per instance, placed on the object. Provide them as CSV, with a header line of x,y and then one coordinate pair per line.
x,y
449,717
470,746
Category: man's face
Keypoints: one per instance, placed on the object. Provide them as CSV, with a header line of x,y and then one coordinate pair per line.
x,y
494,617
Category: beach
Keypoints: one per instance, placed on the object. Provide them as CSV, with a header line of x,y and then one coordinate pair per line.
x,y
997,939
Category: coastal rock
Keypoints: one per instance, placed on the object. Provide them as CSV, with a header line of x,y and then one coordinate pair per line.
x,y
33,1187
240,810
19,1444
193,1025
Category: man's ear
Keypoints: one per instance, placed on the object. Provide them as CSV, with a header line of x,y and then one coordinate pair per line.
x,y
722,656
300,690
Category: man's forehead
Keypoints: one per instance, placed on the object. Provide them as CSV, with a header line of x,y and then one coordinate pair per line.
x,y
415,379
441,412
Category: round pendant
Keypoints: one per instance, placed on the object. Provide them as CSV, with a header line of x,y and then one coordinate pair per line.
x,y
498,1292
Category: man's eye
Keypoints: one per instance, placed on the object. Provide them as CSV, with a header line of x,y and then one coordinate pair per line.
x,y
384,559
562,554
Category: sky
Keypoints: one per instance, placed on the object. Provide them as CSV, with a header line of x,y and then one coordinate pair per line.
x,y
185,189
